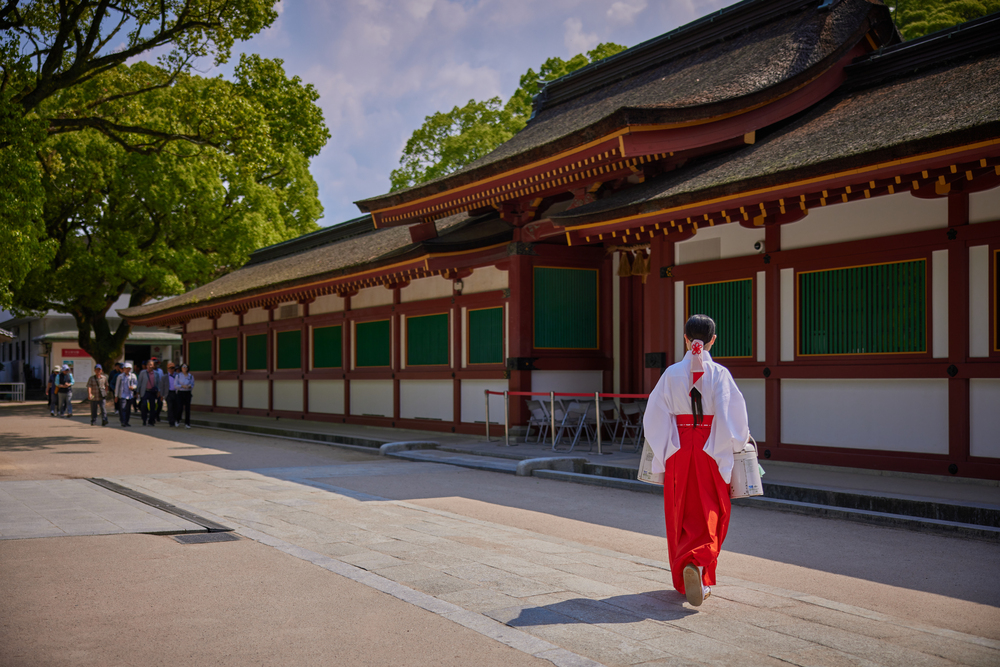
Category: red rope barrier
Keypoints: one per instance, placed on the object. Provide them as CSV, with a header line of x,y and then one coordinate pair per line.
x,y
559,393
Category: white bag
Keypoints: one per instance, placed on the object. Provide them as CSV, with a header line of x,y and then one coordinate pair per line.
x,y
646,473
745,481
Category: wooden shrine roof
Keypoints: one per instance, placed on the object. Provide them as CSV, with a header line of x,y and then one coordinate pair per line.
x,y
905,102
724,64
327,261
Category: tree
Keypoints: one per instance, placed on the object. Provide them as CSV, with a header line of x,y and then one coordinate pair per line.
x,y
916,18
135,217
49,48
448,141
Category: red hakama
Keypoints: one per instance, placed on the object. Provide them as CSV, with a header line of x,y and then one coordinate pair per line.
x,y
696,503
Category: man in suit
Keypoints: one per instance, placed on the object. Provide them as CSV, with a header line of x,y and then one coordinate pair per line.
x,y
149,392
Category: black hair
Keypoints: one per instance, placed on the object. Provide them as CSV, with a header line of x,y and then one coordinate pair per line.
x,y
700,327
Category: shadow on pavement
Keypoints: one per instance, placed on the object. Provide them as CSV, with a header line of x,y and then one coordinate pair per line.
x,y
635,608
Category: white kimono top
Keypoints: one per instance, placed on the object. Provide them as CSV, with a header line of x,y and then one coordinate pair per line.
x,y
720,398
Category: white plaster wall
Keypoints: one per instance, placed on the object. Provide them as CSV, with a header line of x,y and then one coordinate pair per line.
x,y
939,303
787,324
979,302
474,401
427,399
287,395
199,324
255,316
485,279
255,394
718,242
227,393
753,394
202,393
371,297
890,415
371,397
984,397
984,206
865,219
330,303
432,287
567,381
326,396
227,320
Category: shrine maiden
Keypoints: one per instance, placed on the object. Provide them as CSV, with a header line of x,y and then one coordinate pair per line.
x,y
695,421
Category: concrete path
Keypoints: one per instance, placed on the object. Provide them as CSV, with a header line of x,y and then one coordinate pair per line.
x,y
57,508
538,593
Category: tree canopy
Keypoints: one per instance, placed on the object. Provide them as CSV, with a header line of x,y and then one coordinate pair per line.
x,y
153,223
121,176
450,140
916,18
48,49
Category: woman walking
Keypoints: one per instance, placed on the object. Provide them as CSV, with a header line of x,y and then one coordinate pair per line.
x,y
695,421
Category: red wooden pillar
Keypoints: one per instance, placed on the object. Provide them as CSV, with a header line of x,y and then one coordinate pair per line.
x,y
306,358
772,338
459,356
396,329
347,354
959,416
606,321
657,312
521,313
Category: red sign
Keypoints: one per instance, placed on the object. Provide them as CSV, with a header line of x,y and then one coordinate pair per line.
x,y
70,353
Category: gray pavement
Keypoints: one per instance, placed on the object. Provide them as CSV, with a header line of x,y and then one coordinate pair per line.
x,y
545,571
538,593
57,508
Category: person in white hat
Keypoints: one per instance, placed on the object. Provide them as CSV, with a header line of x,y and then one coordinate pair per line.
x,y
125,388
65,384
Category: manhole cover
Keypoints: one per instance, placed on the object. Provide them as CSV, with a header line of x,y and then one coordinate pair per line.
x,y
206,538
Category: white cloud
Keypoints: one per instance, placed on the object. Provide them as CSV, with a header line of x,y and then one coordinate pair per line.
x,y
625,11
575,39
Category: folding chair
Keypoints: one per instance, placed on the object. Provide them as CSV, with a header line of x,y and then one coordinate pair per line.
x,y
632,422
610,417
576,420
539,417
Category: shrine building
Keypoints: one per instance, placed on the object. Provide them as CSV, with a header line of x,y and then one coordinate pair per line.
x,y
828,194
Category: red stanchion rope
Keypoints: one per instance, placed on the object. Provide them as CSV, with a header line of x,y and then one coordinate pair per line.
x,y
559,393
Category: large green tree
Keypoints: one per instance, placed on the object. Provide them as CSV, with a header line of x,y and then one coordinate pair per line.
x,y
450,140
916,18
136,213
50,47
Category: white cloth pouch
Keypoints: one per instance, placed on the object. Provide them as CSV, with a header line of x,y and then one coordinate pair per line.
x,y
646,473
745,481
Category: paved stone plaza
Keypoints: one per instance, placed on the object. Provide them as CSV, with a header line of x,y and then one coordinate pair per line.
x,y
388,552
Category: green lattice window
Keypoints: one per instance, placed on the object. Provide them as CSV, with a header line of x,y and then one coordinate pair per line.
x,y
327,347
565,308
427,340
730,304
228,355
200,355
486,336
256,352
289,345
373,343
876,309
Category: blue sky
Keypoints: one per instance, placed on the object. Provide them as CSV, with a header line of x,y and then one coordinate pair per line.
x,y
382,66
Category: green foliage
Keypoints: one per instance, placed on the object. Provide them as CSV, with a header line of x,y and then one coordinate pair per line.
x,y
62,71
155,216
448,141
916,18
